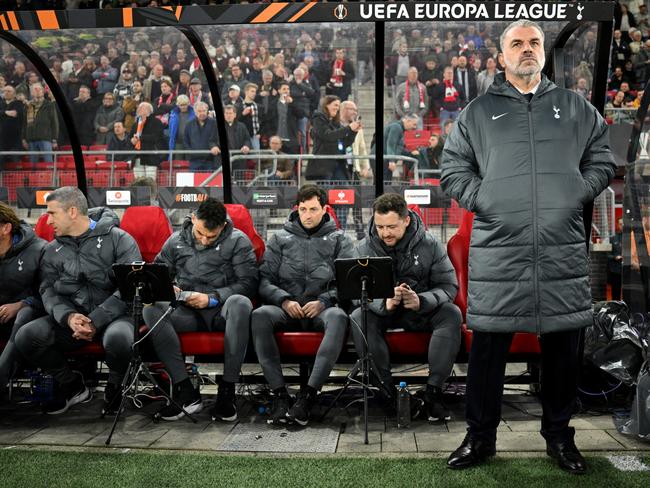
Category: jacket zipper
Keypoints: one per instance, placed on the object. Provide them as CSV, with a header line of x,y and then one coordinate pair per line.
x,y
531,134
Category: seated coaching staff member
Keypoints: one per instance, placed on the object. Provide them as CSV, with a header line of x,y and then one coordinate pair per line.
x,y
424,294
525,157
216,263
79,296
296,278
20,261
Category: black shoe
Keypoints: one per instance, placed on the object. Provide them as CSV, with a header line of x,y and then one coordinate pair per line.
x,y
225,408
567,456
282,402
436,408
470,453
112,399
299,412
68,395
185,395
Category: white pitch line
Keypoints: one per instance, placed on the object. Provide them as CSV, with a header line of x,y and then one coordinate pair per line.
x,y
627,463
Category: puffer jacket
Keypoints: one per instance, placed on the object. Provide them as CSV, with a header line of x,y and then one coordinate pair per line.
x,y
224,268
419,260
20,269
77,271
526,170
300,267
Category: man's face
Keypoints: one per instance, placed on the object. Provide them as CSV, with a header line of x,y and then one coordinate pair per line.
x,y
624,87
236,71
165,89
402,49
9,93
229,115
431,64
448,74
391,227
275,144
250,93
202,234
201,113
108,100
490,64
158,71
340,54
60,219
104,62
37,92
311,213
84,94
349,112
412,75
410,124
195,89
284,90
523,51
462,62
118,129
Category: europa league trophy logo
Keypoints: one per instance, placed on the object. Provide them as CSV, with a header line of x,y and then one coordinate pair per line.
x,y
580,9
341,12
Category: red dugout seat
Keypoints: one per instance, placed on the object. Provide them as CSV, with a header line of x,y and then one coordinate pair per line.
x,y
150,228
242,220
43,229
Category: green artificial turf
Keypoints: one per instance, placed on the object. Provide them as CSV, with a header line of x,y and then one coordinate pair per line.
x,y
33,469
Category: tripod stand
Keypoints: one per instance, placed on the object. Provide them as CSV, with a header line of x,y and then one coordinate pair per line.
x,y
355,277
136,283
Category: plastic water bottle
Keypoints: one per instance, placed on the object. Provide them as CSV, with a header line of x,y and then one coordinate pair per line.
x,y
403,406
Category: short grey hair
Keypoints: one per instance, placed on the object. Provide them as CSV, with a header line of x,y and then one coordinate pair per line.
x,y
68,197
411,116
182,100
148,106
200,105
520,23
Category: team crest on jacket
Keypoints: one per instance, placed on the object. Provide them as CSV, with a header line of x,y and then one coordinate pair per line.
x,y
415,258
99,242
557,112
20,265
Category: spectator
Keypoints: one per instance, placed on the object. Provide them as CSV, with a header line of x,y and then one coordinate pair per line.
x,y
106,76
620,50
183,85
24,89
151,86
466,79
431,74
130,104
85,75
147,135
429,157
118,140
285,168
625,22
124,86
394,142
72,84
398,65
165,102
312,80
361,171
18,75
341,76
582,88
641,62
642,19
84,109
235,77
201,134
637,101
12,118
448,97
285,118
248,113
616,79
233,95
266,100
106,116
196,94
41,127
412,97
301,92
486,77
255,73
629,73
238,136
179,117
625,88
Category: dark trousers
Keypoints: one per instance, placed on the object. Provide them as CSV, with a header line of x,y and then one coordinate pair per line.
x,y
559,383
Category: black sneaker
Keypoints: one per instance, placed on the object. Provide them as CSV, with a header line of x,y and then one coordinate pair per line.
x,y
185,395
68,395
299,412
282,402
112,399
225,407
436,408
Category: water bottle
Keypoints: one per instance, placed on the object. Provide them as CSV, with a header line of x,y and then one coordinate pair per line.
x,y
41,386
403,406
195,378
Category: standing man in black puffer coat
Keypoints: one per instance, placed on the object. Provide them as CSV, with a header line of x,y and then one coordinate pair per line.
x,y
80,297
20,261
525,158
425,289
296,285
